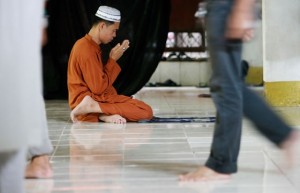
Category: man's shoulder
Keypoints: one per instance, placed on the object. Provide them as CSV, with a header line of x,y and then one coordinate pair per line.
x,y
82,47
83,51
82,42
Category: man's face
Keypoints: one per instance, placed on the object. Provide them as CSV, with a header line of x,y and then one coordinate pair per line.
x,y
108,32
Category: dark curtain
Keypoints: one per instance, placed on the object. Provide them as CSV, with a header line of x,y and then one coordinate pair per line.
x,y
145,23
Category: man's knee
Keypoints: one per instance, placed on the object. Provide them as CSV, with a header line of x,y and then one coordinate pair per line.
x,y
148,113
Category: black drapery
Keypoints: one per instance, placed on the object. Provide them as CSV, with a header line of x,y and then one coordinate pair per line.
x,y
145,23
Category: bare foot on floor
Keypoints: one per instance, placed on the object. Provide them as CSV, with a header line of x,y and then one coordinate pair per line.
x,y
205,186
290,147
117,119
39,167
202,174
87,105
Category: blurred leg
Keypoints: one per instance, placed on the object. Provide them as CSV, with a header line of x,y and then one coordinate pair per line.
x,y
12,167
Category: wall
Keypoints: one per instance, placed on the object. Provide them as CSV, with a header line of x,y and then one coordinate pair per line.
x,y
182,15
185,73
282,40
281,46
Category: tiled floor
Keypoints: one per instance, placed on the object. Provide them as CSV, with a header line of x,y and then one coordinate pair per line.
x,y
147,158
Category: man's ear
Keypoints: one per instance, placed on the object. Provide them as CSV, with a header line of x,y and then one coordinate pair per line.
x,y
101,25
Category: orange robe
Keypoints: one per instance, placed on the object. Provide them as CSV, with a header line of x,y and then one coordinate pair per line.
x,y
88,76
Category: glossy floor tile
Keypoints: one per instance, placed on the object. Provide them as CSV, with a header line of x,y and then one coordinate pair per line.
x,y
148,157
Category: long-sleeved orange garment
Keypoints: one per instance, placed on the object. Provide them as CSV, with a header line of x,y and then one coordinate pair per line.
x,y
87,76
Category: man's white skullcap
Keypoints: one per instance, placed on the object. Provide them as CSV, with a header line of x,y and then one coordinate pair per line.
x,y
108,13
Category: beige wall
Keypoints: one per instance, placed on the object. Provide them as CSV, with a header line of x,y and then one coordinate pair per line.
x,y
185,73
281,34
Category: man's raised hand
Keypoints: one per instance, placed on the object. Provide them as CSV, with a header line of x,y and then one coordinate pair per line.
x,y
118,50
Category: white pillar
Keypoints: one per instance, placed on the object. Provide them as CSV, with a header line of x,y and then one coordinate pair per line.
x,y
281,51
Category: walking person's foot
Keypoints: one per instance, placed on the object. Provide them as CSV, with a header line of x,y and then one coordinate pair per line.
x,y
203,173
290,147
39,167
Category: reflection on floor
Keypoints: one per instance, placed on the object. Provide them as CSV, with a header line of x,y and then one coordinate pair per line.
x,y
148,157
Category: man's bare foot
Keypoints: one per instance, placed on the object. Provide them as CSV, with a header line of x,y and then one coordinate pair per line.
x,y
289,147
87,105
117,119
202,174
39,167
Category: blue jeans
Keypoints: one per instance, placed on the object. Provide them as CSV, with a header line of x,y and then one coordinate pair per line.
x,y
232,98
